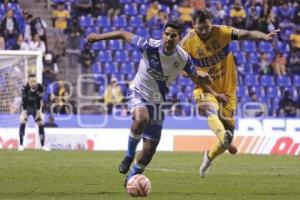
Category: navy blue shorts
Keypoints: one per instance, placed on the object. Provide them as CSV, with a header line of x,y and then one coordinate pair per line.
x,y
156,115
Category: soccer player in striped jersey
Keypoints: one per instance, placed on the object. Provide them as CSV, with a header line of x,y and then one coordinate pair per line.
x,y
161,62
208,45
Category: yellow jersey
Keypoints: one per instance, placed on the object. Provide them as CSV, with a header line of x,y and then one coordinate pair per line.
x,y
213,56
238,13
61,18
295,38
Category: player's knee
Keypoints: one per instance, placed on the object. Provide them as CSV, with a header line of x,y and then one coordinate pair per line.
x,y
142,119
23,120
40,123
207,110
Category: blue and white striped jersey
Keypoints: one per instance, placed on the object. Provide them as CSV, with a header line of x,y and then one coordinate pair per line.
x,y
156,70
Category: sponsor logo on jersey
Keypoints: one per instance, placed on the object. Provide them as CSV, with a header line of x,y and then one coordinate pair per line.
x,y
157,75
176,64
212,60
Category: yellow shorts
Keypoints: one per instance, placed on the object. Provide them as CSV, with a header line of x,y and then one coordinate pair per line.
x,y
226,112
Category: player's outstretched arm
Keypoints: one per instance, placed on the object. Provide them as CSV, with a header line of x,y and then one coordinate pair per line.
x,y
257,35
115,35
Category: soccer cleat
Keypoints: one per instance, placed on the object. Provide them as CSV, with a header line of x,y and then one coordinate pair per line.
x,y
205,165
226,141
44,148
125,164
21,148
228,137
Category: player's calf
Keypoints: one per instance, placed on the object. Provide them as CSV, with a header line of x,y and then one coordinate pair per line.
x,y
21,135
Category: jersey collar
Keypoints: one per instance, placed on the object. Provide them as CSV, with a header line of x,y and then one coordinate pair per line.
x,y
163,51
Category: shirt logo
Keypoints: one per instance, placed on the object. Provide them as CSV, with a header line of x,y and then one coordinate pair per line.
x,y
200,52
215,44
176,64
154,61
157,75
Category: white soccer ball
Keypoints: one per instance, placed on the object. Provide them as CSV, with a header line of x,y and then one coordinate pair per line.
x,y
138,186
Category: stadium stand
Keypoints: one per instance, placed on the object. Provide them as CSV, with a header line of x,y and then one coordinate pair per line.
x,y
117,58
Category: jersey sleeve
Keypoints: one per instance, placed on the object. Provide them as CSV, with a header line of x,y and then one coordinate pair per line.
x,y
230,33
190,68
139,43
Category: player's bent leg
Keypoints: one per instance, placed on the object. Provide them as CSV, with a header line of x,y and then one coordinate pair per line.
x,y
40,123
232,148
227,119
140,118
23,121
21,136
215,124
144,158
208,106
148,151
22,132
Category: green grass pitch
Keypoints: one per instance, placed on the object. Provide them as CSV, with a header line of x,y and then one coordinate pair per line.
x,y
93,175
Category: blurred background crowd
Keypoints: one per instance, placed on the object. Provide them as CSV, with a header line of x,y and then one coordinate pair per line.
x,y
268,72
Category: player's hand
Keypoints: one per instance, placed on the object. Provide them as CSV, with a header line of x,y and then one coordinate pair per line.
x,y
222,98
270,35
92,38
205,78
184,74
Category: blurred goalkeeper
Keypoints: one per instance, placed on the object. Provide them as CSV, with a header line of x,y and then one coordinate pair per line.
x,y
32,94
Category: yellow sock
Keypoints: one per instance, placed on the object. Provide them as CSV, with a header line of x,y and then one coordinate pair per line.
x,y
216,150
217,127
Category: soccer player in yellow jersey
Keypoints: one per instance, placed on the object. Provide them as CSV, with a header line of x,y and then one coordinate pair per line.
x,y
208,46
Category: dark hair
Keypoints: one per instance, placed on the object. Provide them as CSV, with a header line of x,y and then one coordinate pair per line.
x,y
201,14
174,24
32,76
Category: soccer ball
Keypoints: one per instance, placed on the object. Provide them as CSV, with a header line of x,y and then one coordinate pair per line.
x,y
138,186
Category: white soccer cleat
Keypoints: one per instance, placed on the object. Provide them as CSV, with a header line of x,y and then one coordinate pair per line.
x,y
205,165
21,148
44,148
